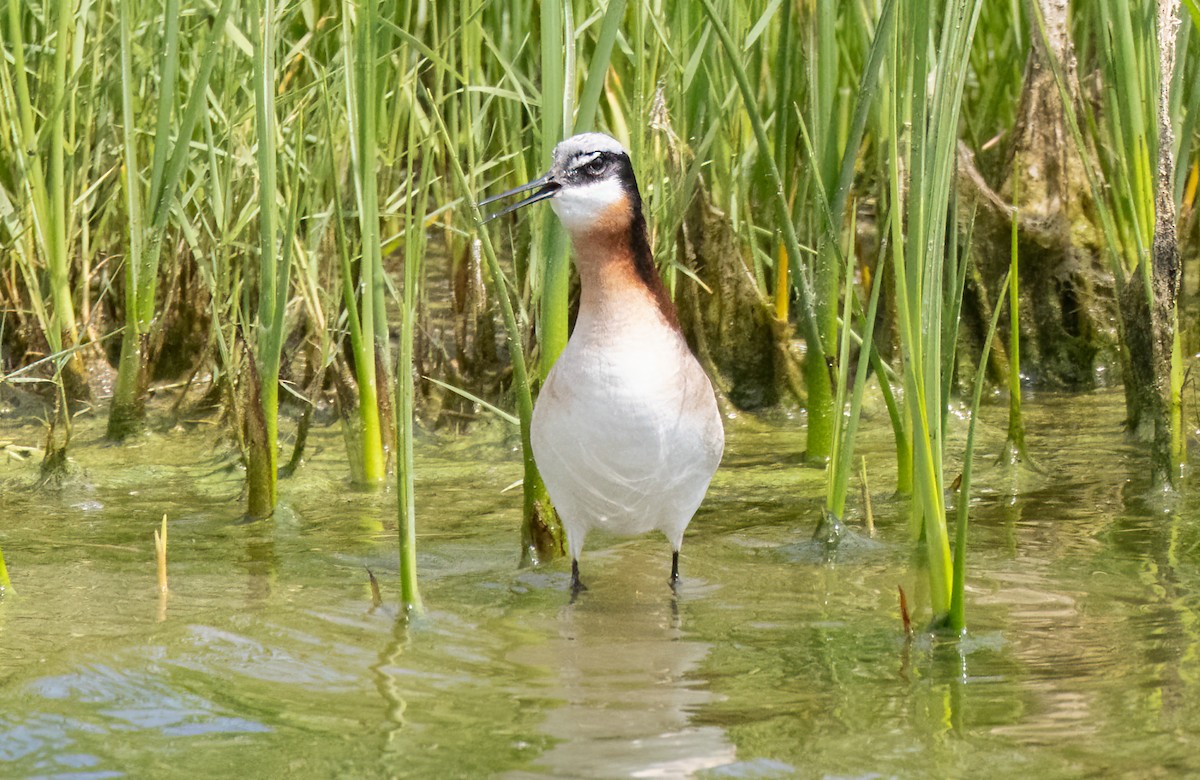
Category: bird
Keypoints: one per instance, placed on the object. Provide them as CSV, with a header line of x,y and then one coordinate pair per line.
x,y
626,430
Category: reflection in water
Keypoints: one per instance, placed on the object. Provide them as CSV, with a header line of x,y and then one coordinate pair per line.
x,y
626,674
386,681
260,562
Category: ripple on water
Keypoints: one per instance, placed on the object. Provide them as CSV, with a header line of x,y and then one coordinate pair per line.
x,y
223,653
70,718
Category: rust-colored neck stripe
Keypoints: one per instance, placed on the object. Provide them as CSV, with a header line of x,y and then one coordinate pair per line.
x,y
639,248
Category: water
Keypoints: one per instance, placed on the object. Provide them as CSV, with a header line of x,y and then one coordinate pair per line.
x,y
776,659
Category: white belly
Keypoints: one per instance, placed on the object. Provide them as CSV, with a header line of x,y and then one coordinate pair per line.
x,y
627,435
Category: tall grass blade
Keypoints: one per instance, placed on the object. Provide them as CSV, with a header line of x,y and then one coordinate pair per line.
x,y
361,100
553,263
956,620
414,250
1016,426
923,288
840,465
273,276
589,100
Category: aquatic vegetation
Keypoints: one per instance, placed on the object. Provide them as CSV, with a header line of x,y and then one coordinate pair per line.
x,y
421,178
160,555
36,118
928,283
261,410
148,225
1141,51
846,425
1016,426
363,297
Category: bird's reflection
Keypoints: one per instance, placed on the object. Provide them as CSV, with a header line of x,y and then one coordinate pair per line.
x,y
628,677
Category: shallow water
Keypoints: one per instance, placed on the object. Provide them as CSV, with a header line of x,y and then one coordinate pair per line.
x,y
775,660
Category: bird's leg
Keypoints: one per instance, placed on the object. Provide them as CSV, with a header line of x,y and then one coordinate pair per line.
x,y
576,585
674,581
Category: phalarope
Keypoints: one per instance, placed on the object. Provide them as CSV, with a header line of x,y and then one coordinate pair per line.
x,y
626,430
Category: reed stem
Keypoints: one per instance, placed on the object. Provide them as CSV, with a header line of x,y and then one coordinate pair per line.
x,y
414,216
956,620
1016,426
273,278
361,110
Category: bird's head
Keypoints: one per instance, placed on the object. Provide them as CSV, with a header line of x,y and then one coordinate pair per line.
x,y
590,185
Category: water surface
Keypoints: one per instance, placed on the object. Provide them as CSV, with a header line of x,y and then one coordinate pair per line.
x,y
777,659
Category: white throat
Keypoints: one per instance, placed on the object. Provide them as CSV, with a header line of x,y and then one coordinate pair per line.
x,y
580,207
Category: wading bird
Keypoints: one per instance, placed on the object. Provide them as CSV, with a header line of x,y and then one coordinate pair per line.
x,y
626,431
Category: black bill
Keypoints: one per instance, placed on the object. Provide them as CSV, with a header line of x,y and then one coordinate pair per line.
x,y
545,187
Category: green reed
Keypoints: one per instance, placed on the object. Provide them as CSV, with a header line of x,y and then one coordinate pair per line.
x,y
825,124
262,405
420,180
55,210
926,286
365,300
846,425
148,227
1016,425
36,129
553,262
956,619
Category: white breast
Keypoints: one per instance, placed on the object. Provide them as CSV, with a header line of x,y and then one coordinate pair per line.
x,y
626,430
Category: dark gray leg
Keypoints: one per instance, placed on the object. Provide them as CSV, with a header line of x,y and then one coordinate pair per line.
x,y
576,585
674,581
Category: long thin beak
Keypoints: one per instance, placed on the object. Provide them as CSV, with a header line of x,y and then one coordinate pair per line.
x,y
545,186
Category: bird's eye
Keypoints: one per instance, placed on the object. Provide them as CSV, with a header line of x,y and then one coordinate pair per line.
x,y
595,167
